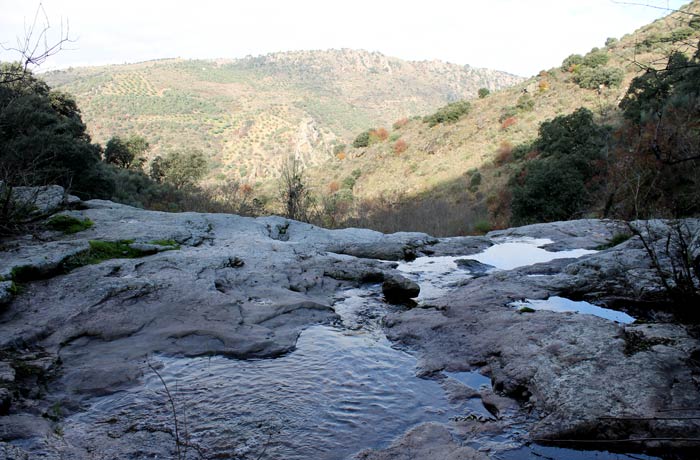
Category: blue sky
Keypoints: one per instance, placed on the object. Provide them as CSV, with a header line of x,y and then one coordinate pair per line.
x,y
518,36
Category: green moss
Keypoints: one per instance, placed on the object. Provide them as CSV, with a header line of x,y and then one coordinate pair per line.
x,y
167,243
526,310
104,250
16,288
24,273
68,224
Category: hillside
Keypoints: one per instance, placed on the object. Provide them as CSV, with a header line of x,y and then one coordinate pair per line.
x,y
247,114
447,178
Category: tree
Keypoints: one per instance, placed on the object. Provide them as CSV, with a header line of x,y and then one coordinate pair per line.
x,y
181,168
562,182
43,139
126,153
35,47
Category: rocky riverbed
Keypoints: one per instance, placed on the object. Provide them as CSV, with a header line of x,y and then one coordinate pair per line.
x,y
225,311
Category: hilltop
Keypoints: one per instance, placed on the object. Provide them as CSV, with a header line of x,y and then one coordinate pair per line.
x,y
248,114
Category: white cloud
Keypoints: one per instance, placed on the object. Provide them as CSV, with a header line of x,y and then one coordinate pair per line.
x,y
519,36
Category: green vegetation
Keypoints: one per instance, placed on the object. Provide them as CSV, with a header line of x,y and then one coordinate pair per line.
x,y
126,153
168,243
44,139
526,310
483,92
617,238
106,250
68,224
182,168
449,114
559,183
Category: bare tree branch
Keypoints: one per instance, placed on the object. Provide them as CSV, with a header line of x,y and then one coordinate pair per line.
x,y
35,47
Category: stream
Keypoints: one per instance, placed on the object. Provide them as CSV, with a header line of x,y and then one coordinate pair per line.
x,y
343,389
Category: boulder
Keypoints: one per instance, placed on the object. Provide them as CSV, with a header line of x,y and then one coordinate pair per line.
x,y
474,267
398,289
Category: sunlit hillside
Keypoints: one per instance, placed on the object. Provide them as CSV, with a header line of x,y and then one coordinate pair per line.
x,y
247,115
447,178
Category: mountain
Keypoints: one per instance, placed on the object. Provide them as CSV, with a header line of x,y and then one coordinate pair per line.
x,y
448,178
248,114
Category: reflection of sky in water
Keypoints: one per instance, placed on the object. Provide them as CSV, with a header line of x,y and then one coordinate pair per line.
x,y
560,304
472,379
436,275
518,253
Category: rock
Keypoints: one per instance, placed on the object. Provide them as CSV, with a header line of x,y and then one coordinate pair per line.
x,y
35,260
6,294
10,452
474,267
398,289
43,200
7,373
427,441
23,427
572,234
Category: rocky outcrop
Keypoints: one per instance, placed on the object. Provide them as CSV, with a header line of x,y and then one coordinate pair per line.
x,y
79,322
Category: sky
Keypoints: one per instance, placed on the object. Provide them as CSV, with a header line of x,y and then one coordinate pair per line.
x,y
518,36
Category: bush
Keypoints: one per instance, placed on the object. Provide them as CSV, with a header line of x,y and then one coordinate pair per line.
x,y
400,146
362,140
525,103
571,62
378,135
595,58
508,122
400,123
559,184
482,227
593,78
449,114
483,92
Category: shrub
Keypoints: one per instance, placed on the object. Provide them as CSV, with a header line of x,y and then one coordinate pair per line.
x,y
558,185
362,140
525,103
400,123
508,122
483,92
543,86
596,58
378,135
400,146
611,42
482,227
570,63
475,181
449,114
593,78
340,148
507,112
